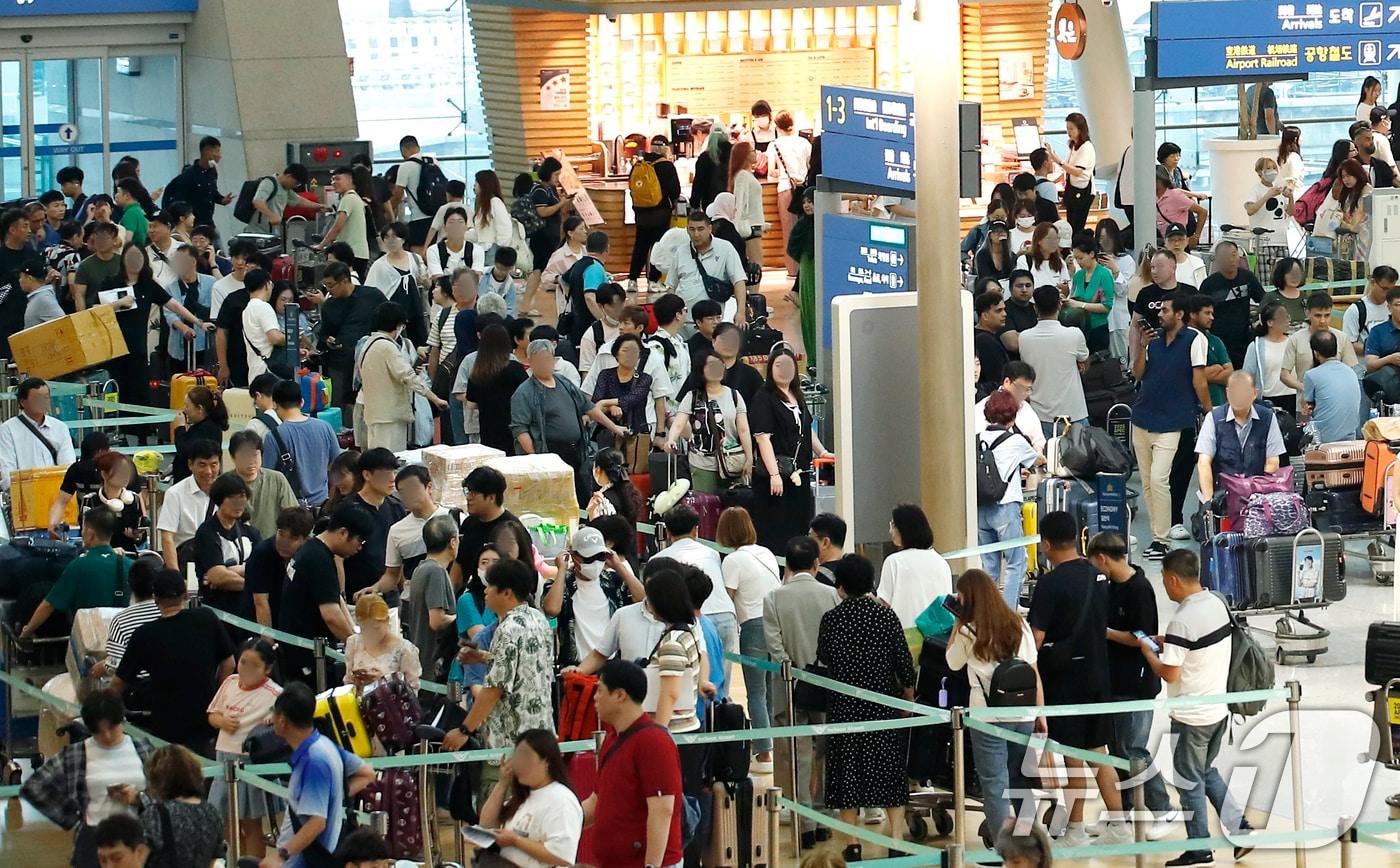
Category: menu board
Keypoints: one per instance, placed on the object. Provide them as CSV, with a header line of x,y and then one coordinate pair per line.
x,y
721,84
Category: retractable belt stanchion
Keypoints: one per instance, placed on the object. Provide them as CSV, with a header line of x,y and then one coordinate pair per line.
x,y
775,847
319,652
235,839
955,849
792,759
427,805
454,696
598,736
1344,841
1295,695
1137,772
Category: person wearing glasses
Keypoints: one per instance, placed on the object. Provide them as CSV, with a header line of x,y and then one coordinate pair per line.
x,y
347,314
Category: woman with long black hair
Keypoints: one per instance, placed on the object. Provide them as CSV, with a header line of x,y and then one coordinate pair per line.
x,y
491,221
786,445
494,377
532,809
616,495
133,370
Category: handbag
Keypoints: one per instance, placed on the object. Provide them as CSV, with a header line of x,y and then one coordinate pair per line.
x,y
1239,488
799,191
636,451
807,696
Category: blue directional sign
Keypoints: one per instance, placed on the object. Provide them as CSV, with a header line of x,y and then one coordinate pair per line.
x,y
875,162
861,255
27,8
861,111
1272,37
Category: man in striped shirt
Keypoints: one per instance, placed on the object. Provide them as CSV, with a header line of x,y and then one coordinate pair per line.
x,y
143,610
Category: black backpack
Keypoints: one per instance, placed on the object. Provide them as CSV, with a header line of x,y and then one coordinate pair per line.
x,y
1012,685
432,187
991,488
243,210
175,191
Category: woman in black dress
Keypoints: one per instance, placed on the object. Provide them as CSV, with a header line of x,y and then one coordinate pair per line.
x,y
133,370
115,494
863,645
495,375
782,475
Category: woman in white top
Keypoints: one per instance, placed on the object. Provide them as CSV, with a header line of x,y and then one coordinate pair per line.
x,y
1370,95
789,157
914,575
748,199
1270,202
1290,160
1119,264
673,667
454,249
1044,261
985,634
1079,169
534,813
750,574
491,221
1023,228
401,275
1001,520
1264,358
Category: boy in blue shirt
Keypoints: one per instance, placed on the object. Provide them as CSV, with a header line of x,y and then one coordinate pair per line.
x,y
700,585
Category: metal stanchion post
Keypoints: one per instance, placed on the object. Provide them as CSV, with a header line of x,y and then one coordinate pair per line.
x,y
955,850
598,736
319,653
1295,694
454,696
775,847
235,840
1344,841
792,762
1138,769
427,807
9,696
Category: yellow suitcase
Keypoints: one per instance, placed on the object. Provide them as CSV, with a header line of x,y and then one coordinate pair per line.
x,y
338,717
32,492
1029,527
180,385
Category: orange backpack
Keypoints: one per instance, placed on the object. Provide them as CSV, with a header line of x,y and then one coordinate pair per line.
x,y
578,719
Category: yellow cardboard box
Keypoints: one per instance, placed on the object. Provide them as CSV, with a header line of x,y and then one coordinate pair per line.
x,y
71,343
32,492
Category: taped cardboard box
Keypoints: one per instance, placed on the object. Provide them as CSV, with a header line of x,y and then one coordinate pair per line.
x,y
541,484
449,465
32,493
71,343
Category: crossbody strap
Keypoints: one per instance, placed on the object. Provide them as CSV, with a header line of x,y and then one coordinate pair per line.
x,y
622,738
34,429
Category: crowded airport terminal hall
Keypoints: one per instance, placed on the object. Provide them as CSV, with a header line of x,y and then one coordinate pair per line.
x,y
722,433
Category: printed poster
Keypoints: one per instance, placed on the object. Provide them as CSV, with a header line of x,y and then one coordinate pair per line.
x,y
554,90
1307,573
1017,74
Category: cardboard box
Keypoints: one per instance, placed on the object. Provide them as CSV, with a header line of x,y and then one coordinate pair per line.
x,y
539,484
72,343
32,492
449,465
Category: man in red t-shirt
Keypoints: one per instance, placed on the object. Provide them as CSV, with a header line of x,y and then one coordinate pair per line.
x,y
638,795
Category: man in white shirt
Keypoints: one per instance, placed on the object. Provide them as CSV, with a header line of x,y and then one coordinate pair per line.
x,y
1018,378
1190,268
682,261
264,407
1058,354
33,438
612,299
186,504
669,310
1193,658
456,198
262,332
683,527
161,249
240,255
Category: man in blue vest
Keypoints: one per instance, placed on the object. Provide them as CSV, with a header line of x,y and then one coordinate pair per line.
x,y
1172,376
1257,445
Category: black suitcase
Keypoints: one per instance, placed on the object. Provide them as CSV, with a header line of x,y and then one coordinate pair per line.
x,y
1339,510
728,761
665,468
1100,401
1273,569
931,747
1382,652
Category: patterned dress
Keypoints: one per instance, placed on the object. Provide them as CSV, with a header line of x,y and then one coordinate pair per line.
x,y
522,666
863,644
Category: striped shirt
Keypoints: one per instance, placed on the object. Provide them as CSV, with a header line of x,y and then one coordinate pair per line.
x,y
124,623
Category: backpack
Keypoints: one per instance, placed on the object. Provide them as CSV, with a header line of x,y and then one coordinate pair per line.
x,y
1305,209
1013,684
523,209
668,350
468,253
524,257
578,719
991,488
175,191
645,185
432,187
1250,667
243,210
1275,514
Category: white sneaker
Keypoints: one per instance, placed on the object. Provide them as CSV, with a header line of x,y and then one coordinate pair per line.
x,y
872,816
631,286
1164,826
1074,838
1115,833
1179,532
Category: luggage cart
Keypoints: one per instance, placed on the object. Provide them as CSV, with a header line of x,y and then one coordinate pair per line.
x,y
36,671
1294,634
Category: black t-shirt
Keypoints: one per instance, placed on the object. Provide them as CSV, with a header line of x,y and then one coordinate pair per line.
x,y
265,573
128,522
81,478
1150,299
311,583
791,433
993,356
743,379
476,533
493,400
367,567
1232,297
12,298
231,321
1056,606
218,546
1020,317
1132,605
181,655
698,342
134,322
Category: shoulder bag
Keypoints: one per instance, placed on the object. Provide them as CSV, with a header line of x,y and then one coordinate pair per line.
x,y
716,290
799,190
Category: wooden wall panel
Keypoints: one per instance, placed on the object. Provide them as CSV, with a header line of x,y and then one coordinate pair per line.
x,y
989,30
512,46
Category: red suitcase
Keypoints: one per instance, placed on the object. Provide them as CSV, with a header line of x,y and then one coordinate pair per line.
x,y
284,267
708,507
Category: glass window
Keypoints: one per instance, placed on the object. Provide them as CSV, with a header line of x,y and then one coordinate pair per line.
x,y
66,97
10,145
143,121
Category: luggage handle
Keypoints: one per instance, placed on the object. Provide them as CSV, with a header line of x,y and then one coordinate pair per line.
x,y
1066,421
1293,559
190,361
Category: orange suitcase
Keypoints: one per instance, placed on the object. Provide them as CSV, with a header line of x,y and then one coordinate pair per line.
x,y
1379,457
180,385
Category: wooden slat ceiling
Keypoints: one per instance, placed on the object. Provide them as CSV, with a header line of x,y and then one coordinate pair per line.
x,y
623,7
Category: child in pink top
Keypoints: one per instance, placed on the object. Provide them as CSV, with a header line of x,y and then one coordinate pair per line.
x,y
243,702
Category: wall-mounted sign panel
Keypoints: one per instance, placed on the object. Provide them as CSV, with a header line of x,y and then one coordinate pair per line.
x,y
873,114
719,85
861,255
30,8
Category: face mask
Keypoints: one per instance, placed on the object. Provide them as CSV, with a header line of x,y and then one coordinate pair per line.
x,y
1269,177
591,571
610,320
213,164
1025,222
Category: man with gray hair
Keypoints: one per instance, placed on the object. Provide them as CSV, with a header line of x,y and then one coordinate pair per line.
x,y
431,605
549,414
1240,436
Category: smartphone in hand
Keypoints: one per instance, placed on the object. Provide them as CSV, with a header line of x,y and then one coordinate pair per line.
x,y
951,604
1139,635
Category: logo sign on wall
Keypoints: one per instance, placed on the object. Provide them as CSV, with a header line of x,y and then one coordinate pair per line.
x,y
1071,30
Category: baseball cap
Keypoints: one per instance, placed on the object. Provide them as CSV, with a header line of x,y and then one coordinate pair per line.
x,y
1175,229
588,542
35,268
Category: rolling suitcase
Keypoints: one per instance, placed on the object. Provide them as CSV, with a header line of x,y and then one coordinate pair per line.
x,y
738,833
1226,567
1272,558
338,717
1382,652
395,792
729,761
315,393
1375,472
1334,464
1339,510
708,507
1074,496
390,709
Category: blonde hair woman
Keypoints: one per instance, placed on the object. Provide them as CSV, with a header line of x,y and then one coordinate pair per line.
x,y
376,651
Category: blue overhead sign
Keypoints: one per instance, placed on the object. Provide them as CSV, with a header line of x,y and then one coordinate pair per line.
x,y
27,8
1269,37
868,137
869,161
861,255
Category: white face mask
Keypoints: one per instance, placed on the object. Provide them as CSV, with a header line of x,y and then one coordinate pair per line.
x,y
591,571
1269,176
1025,222
213,164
